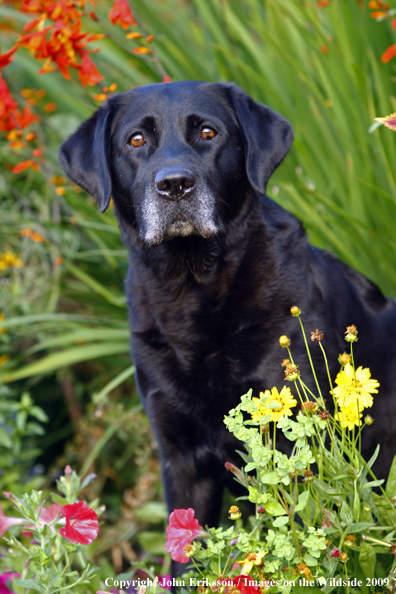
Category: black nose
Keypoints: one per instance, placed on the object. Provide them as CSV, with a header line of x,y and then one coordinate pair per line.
x,y
174,182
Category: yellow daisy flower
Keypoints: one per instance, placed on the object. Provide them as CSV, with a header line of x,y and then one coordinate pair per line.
x,y
351,393
349,417
10,260
250,560
282,403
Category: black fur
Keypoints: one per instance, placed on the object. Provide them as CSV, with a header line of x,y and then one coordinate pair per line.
x,y
214,271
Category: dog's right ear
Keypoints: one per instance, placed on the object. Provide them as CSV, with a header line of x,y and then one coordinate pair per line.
x,y
85,156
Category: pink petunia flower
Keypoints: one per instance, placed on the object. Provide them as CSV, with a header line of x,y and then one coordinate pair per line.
x,y
4,578
82,524
6,522
183,527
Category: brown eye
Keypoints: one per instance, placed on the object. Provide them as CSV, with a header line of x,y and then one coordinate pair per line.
x,y
207,133
137,140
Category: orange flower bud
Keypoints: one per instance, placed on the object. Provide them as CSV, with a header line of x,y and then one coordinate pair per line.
x,y
30,136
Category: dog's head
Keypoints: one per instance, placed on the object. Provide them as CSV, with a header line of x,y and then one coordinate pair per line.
x,y
178,158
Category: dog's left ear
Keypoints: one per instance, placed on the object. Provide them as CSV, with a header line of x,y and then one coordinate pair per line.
x,y
267,137
85,156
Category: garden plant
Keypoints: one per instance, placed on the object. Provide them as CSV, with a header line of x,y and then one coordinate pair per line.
x,y
67,397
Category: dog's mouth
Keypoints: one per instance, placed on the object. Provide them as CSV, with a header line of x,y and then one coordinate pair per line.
x,y
180,227
165,219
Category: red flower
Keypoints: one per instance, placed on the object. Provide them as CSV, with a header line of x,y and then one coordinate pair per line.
x,y
82,524
4,579
48,515
245,584
183,527
121,13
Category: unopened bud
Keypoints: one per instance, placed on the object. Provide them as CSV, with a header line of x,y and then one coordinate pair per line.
x,y
261,510
284,341
343,557
368,419
344,359
295,311
308,476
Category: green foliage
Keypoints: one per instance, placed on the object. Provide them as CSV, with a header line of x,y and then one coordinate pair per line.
x,y
317,516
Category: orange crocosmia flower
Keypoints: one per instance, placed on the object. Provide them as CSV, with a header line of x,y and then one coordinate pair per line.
x,y
65,10
36,42
6,58
37,238
149,38
142,50
89,74
389,54
378,14
121,13
50,107
325,49
100,97
133,35
166,79
17,144
26,232
323,3
373,4
389,121
25,165
30,136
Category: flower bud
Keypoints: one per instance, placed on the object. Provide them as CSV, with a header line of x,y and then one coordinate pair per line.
x,y
261,510
284,341
234,512
335,553
368,420
316,336
343,557
367,508
308,476
291,373
350,540
295,311
351,334
310,406
344,359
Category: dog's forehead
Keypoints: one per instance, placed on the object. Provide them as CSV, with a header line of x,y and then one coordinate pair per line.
x,y
172,100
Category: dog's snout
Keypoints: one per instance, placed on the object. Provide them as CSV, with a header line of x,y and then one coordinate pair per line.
x,y
174,182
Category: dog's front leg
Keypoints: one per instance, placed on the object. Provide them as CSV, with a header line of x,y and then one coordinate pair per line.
x,y
193,479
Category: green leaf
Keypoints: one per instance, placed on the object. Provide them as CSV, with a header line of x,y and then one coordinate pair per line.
x,y
67,357
270,478
32,584
280,521
273,508
360,527
302,501
5,439
386,510
391,482
346,513
367,559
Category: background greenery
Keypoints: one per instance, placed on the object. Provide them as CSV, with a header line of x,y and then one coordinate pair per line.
x,y
65,325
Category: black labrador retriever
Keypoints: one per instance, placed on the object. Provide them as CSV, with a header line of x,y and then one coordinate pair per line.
x,y
215,267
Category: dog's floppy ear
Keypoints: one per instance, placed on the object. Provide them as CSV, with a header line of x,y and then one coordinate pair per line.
x,y
85,156
267,137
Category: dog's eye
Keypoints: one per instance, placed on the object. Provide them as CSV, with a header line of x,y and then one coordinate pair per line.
x,y
137,140
207,133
